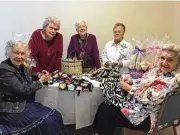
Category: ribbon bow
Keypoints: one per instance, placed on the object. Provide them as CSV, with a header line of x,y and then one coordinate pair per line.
x,y
140,51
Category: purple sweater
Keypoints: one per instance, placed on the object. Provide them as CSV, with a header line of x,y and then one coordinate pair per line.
x,y
91,51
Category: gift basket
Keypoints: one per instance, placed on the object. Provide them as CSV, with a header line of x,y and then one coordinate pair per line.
x,y
72,67
138,65
154,47
146,54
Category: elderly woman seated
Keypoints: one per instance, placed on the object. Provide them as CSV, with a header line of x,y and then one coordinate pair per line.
x,y
18,117
141,106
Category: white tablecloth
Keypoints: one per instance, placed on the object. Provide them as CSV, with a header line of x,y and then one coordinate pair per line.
x,y
79,110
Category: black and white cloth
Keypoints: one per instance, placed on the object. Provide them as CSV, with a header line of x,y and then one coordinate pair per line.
x,y
112,92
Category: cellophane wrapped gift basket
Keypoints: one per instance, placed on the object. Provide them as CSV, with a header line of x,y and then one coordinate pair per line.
x,y
145,55
138,65
154,47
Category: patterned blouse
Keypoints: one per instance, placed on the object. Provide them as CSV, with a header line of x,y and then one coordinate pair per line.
x,y
144,99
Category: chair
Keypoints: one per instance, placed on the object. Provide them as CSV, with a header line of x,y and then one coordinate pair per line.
x,y
169,113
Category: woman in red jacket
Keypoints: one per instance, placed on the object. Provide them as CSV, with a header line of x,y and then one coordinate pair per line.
x,y
46,46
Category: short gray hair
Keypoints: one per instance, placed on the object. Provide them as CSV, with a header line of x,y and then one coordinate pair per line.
x,y
172,47
80,21
120,24
11,44
51,19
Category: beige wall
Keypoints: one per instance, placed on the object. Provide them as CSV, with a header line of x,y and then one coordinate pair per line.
x,y
176,24
141,18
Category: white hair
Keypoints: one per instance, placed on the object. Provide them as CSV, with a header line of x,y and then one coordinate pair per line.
x,y
11,44
80,21
51,19
172,47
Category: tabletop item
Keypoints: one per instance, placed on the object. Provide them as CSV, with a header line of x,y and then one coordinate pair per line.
x,y
102,73
70,82
72,67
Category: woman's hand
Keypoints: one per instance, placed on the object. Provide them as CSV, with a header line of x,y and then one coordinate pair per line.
x,y
119,63
125,86
81,55
130,82
74,58
44,77
108,64
42,73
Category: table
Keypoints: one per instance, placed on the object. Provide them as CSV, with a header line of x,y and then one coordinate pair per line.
x,y
79,110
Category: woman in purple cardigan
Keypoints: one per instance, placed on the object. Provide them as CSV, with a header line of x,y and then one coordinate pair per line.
x,y
83,46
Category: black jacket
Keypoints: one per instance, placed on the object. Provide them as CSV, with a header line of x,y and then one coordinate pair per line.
x,y
15,85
